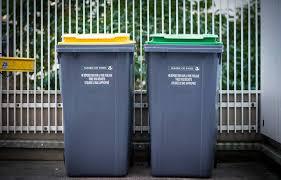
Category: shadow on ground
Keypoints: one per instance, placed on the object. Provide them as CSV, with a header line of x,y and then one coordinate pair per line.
x,y
55,169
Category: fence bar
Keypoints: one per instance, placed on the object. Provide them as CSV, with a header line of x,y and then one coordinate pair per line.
x,y
56,65
162,15
69,16
91,16
148,29
76,16
98,16
111,16
198,16
126,15
147,20
62,15
249,63
220,31
177,17
83,11
8,54
21,55
27,54
191,17
35,62
235,110
42,68
170,22
213,15
49,70
118,16
184,16
134,120
14,74
104,17
141,67
155,16
1,23
227,59
206,18
257,62
242,65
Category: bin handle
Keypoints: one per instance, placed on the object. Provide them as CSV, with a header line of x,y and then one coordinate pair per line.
x,y
95,36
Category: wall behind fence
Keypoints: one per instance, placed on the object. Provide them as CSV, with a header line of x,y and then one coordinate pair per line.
x,y
31,102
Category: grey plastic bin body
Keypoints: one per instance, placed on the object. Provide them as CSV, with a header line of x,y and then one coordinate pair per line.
x,y
183,96
96,83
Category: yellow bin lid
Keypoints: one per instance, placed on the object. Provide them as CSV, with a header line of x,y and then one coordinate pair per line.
x,y
96,39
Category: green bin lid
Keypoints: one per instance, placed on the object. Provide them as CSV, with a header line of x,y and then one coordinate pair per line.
x,y
184,39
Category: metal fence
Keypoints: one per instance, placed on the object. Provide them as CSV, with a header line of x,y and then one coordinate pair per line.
x,y
31,102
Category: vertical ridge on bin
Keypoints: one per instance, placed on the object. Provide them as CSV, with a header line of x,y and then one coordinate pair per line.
x,y
115,122
201,121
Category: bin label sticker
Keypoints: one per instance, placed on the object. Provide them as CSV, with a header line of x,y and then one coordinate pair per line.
x,y
97,75
184,75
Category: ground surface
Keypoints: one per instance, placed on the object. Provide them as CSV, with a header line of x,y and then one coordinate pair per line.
x,y
55,170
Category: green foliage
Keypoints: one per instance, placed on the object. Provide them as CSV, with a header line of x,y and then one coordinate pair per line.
x,y
138,18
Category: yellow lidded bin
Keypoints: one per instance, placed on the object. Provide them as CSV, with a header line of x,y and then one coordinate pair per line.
x,y
96,78
96,39
11,64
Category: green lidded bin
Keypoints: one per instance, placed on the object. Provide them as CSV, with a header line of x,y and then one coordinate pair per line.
x,y
183,73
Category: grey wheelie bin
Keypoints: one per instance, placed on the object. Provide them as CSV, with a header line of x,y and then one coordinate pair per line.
x,y
96,82
183,94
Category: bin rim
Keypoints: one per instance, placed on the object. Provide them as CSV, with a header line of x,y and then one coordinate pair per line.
x,y
98,48
183,48
184,39
96,39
